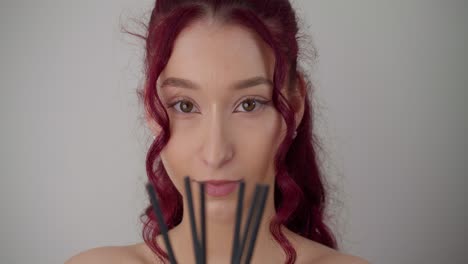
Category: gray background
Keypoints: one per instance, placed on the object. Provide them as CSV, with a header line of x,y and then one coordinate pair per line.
x,y
391,83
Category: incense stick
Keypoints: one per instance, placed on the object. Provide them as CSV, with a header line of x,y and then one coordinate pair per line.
x,y
196,242
258,217
199,242
240,202
251,230
240,249
203,222
162,224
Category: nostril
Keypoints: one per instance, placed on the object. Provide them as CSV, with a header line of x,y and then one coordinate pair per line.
x,y
218,160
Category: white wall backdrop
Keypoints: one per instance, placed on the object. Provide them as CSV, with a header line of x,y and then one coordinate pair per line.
x,y
391,84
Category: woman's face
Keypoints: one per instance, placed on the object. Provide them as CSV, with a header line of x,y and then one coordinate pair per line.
x,y
217,89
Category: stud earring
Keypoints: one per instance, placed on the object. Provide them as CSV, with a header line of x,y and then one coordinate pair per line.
x,y
295,134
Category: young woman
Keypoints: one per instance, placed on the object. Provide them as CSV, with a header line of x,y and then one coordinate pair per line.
x,y
226,102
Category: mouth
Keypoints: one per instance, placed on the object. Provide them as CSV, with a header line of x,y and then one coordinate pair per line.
x,y
220,188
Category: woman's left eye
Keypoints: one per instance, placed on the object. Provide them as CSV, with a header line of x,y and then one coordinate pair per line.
x,y
251,105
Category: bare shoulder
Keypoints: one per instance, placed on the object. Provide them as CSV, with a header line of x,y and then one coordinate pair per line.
x,y
340,258
132,254
309,251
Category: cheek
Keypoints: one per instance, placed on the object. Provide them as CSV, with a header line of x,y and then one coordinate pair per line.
x,y
258,143
178,154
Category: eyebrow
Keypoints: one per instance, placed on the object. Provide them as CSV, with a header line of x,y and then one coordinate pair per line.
x,y
238,85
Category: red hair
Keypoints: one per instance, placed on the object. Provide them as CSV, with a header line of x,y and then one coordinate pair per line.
x,y
299,193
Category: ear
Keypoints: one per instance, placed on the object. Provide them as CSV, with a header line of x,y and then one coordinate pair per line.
x,y
298,97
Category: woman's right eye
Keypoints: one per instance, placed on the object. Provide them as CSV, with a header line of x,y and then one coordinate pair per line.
x,y
183,106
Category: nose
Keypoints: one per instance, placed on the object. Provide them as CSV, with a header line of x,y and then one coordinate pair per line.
x,y
217,148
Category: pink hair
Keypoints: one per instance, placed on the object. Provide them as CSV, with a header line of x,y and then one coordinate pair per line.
x,y
299,190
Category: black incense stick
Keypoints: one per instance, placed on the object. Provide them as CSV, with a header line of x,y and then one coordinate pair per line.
x,y
162,224
259,213
203,221
247,225
240,202
250,231
196,242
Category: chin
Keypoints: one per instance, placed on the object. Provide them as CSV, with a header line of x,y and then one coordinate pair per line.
x,y
221,209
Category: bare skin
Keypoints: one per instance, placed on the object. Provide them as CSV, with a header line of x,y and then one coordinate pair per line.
x,y
307,252
217,135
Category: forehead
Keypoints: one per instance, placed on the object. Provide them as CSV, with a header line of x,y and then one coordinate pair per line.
x,y
210,53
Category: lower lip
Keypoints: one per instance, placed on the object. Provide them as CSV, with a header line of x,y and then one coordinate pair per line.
x,y
220,190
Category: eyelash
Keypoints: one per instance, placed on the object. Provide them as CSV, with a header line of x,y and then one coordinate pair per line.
x,y
259,105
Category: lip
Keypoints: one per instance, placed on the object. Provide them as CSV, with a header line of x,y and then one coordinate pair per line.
x,y
220,188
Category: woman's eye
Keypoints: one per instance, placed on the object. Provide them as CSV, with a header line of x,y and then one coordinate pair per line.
x,y
183,106
249,105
